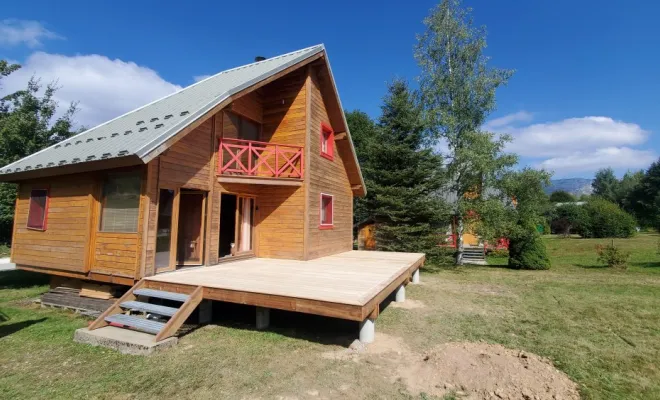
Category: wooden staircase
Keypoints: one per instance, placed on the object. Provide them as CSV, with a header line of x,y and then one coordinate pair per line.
x,y
131,312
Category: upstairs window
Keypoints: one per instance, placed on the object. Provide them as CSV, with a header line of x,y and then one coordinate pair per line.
x,y
120,204
327,141
38,209
326,211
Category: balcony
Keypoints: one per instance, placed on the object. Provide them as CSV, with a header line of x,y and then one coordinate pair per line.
x,y
249,161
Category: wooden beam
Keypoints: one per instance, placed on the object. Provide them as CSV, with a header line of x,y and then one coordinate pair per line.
x,y
341,136
180,317
259,181
356,187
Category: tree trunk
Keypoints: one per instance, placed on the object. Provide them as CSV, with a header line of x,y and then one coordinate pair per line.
x,y
459,239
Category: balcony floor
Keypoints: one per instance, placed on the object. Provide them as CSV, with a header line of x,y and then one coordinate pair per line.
x,y
259,180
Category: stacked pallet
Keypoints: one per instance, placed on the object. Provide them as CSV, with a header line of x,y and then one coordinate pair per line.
x,y
89,299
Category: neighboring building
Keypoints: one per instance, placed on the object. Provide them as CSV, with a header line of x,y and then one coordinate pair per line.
x,y
254,163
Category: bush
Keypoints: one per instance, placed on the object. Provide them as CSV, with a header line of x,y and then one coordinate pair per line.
x,y
612,256
502,253
604,219
528,252
568,218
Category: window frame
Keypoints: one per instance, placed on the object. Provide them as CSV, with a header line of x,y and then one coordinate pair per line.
x,y
330,151
332,211
44,221
102,202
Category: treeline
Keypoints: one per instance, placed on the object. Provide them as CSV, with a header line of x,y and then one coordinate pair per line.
x,y
615,208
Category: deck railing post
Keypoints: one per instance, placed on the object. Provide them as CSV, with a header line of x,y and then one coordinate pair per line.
x,y
220,158
277,161
249,167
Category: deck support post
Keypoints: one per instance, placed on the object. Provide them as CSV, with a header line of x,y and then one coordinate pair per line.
x,y
415,277
263,318
205,311
367,330
400,295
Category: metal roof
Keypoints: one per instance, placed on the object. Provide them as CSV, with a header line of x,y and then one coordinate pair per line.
x,y
141,131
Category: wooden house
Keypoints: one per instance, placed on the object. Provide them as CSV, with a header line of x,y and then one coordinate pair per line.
x,y
250,173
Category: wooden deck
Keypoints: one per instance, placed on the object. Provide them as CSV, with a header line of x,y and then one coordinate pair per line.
x,y
348,285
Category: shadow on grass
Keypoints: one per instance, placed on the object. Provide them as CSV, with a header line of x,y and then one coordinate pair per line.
x,y
16,279
6,330
309,327
648,264
592,266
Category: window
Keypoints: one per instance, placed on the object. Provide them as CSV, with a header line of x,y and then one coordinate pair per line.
x,y
327,141
120,203
246,129
326,211
38,209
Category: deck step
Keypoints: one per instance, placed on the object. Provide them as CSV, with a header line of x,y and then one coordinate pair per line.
x,y
161,294
140,324
149,308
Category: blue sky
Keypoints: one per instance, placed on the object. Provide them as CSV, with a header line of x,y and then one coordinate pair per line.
x,y
584,95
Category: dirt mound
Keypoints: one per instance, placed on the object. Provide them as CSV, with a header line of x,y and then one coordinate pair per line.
x,y
466,370
486,371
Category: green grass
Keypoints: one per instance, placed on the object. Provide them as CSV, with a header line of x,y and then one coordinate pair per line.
x,y
600,326
4,250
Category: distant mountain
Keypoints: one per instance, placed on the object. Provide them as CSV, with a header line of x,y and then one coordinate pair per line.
x,y
575,186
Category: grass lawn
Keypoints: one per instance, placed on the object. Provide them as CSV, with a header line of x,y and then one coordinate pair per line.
x,y
600,326
4,250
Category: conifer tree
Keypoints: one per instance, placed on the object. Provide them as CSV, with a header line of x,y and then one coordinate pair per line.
x,y
403,176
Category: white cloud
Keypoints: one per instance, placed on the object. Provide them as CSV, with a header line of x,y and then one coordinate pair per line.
x,y
507,120
576,145
103,88
619,158
574,134
198,78
31,33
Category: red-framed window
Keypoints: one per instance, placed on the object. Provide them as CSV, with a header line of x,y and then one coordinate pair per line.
x,y
327,141
38,211
327,211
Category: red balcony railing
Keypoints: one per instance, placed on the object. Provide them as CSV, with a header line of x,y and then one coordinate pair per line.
x,y
251,158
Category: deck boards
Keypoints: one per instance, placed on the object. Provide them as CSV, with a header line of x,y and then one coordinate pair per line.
x,y
352,278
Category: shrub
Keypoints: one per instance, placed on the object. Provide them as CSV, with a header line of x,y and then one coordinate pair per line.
x,y
499,253
612,256
567,218
604,219
528,252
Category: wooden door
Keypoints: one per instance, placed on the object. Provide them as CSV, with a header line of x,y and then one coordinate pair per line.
x,y
190,238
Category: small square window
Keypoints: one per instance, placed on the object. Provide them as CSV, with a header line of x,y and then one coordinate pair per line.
x,y
327,142
38,209
326,211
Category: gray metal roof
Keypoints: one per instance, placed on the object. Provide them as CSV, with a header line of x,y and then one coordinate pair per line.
x,y
141,131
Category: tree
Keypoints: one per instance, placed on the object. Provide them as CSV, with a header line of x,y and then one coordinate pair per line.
x,y
363,130
28,123
526,247
605,184
645,198
458,93
567,218
561,196
626,189
403,176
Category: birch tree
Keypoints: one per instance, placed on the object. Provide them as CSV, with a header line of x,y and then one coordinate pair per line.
x,y
458,93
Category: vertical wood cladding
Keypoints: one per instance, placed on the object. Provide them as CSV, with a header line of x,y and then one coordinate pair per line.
x,y
329,177
188,163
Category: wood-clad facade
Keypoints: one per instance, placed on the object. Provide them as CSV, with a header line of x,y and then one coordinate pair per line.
x,y
282,125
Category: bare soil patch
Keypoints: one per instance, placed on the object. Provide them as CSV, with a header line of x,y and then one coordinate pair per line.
x,y
409,304
466,370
